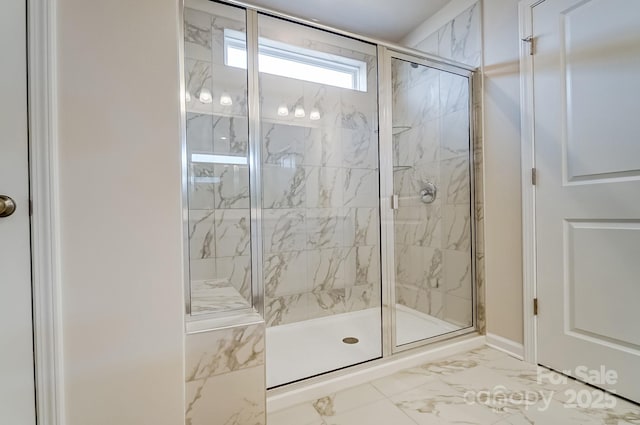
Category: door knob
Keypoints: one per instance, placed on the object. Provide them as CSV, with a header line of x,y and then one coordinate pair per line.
x,y
7,206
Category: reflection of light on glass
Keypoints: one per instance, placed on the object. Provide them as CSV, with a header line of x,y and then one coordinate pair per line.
x,y
299,112
314,115
225,99
218,159
187,97
283,110
205,96
223,138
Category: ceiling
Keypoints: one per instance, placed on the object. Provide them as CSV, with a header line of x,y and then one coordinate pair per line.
x,y
388,20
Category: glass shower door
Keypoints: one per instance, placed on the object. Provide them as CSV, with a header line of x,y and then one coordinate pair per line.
x,y
320,200
431,202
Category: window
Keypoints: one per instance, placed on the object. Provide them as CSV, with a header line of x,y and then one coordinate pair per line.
x,y
290,61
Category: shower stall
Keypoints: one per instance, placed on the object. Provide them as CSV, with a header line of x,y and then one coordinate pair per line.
x,y
328,186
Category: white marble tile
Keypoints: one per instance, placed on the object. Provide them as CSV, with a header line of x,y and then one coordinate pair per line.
x,y
233,233
419,225
457,274
286,309
326,100
418,144
326,268
323,147
237,272
437,402
324,188
363,265
231,135
361,226
325,228
325,303
199,132
197,34
361,188
382,412
301,414
402,381
454,93
243,402
283,145
429,44
210,296
198,77
360,297
359,148
202,194
349,399
285,273
460,39
284,230
457,227
457,310
454,141
284,186
202,269
455,181
222,351
232,189
359,110
201,234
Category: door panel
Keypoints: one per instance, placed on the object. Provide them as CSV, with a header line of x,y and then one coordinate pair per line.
x,y
586,63
17,401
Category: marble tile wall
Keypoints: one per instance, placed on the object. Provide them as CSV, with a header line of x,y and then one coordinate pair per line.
x,y
442,287
219,217
321,198
225,376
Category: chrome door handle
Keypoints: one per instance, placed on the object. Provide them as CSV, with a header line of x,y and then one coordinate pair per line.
x,y
7,206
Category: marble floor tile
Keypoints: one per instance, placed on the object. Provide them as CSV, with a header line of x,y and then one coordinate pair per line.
x,y
382,412
343,401
301,414
482,386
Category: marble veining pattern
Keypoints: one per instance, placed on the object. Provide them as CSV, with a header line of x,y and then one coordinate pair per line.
x,y
321,196
450,391
230,362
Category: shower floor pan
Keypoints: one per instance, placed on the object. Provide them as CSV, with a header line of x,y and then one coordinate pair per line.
x,y
300,350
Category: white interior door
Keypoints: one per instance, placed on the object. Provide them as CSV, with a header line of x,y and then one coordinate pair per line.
x,y
587,153
17,398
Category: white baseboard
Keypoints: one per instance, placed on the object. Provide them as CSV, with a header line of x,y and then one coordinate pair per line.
x,y
512,348
311,389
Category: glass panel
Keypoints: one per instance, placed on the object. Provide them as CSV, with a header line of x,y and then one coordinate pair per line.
x,y
432,222
217,158
320,208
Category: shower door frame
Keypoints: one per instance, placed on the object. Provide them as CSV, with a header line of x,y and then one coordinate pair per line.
x,y
387,228
385,52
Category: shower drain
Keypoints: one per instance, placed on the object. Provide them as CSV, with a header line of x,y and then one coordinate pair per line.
x,y
350,340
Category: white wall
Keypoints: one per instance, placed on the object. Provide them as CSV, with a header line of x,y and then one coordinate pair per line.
x,y
503,225
119,160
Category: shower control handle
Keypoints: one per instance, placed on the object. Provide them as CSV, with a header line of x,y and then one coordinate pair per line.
x,y
428,193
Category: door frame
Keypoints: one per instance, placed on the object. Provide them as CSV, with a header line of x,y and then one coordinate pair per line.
x,y
527,120
45,225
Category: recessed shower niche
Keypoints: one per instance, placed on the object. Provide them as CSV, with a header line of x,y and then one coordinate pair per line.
x,y
328,187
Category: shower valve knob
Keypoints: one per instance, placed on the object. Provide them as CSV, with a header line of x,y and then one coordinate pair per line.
x,y
428,193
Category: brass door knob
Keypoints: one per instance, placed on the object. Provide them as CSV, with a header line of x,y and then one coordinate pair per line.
x,y
7,206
